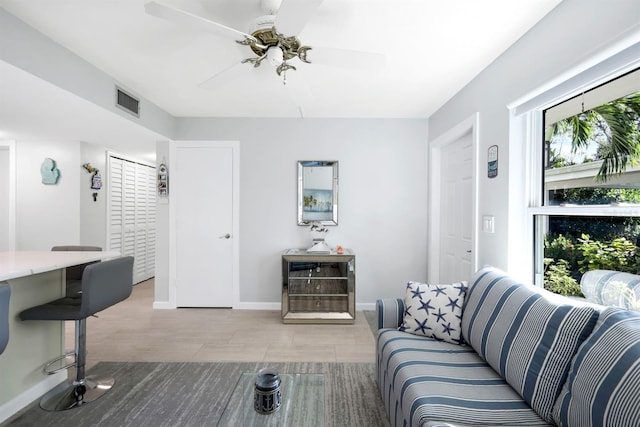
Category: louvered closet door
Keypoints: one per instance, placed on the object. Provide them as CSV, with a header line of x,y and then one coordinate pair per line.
x,y
132,212
116,177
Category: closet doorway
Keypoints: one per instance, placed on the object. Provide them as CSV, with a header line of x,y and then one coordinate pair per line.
x,y
131,211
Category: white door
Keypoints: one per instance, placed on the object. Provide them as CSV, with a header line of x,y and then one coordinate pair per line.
x,y
201,184
132,214
456,210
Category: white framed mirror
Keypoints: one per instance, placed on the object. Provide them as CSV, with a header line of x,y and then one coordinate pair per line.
x,y
318,192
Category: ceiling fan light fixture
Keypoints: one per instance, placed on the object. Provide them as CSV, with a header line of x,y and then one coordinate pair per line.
x,y
275,56
270,7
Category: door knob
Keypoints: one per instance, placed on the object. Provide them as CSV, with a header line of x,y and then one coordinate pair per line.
x,y
226,236
469,251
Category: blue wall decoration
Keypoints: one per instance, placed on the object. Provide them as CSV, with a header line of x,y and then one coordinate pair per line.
x,y
50,173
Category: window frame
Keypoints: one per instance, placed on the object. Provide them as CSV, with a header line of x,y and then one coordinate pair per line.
x,y
537,211
527,119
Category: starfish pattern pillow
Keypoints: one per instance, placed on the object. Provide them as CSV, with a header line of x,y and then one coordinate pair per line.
x,y
434,311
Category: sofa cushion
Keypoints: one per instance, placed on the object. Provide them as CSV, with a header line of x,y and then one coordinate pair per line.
x,y
424,381
526,334
434,310
602,388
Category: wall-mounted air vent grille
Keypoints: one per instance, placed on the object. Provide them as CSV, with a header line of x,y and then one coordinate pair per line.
x,y
127,102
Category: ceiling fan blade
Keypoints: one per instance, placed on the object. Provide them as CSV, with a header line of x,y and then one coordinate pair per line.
x,y
293,15
345,58
297,90
183,17
226,76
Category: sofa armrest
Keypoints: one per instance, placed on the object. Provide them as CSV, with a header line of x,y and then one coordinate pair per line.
x,y
389,312
612,288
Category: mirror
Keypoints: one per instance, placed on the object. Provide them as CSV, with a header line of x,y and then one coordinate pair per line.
x,y
318,192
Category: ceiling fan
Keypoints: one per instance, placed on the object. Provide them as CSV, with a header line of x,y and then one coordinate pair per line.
x,y
274,38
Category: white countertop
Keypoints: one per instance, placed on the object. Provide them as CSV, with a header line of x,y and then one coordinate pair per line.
x,y
25,263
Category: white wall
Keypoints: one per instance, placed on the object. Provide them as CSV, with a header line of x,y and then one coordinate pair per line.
x,y
574,34
4,198
93,220
30,50
47,215
382,198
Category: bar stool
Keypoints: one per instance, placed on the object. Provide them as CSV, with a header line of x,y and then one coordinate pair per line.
x,y
103,285
74,273
5,294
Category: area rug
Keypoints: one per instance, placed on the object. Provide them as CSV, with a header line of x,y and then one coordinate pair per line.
x,y
195,394
372,320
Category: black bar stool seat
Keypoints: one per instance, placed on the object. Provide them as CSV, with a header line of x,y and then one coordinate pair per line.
x,y
103,285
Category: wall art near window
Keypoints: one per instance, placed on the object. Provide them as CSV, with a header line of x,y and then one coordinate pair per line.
x,y
492,161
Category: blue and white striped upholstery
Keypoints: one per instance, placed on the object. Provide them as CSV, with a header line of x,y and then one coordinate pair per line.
x,y
389,312
528,335
603,386
612,288
423,381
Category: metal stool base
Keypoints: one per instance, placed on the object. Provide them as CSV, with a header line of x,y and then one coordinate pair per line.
x,y
72,394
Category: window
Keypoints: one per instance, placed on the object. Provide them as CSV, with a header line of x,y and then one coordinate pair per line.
x,y
589,211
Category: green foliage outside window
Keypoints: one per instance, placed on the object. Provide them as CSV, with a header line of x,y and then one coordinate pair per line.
x,y
567,259
609,133
557,278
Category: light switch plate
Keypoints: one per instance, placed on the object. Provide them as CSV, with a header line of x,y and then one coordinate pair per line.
x,y
488,225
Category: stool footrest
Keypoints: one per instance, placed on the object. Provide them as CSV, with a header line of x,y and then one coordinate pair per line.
x,y
47,371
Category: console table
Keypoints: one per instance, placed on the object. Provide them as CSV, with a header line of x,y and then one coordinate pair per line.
x,y
318,288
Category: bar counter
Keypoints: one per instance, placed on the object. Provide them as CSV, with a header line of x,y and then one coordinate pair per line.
x,y
36,277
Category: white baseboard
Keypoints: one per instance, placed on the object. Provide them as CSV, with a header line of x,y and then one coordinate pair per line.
x,y
13,406
365,306
258,306
163,305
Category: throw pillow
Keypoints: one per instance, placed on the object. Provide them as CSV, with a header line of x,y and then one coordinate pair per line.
x,y
527,334
434,310
602,386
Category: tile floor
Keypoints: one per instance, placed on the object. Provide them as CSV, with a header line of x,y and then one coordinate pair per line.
x,y
133,331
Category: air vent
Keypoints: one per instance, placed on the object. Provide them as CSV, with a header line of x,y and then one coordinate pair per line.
x,y
127,102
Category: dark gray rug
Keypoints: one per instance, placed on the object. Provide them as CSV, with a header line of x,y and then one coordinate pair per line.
x,y
195,394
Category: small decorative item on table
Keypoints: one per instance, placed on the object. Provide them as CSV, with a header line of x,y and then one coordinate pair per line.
x,y
319,246
267,394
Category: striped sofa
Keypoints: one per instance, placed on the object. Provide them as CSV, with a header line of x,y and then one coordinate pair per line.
x,y
531,358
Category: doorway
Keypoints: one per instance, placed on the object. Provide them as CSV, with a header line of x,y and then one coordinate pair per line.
x,y
131,213
453,204
204,187
7,196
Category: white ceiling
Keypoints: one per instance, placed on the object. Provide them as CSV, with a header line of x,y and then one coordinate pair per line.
x,y
432,48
